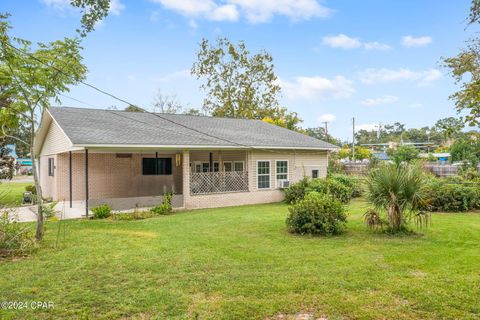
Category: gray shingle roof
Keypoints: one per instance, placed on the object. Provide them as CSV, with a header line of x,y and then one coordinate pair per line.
x,y
110,127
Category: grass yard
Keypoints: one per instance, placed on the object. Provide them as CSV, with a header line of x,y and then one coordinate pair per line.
x,y
240,263
11,193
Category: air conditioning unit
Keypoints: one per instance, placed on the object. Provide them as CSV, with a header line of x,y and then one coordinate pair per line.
x,y
282,184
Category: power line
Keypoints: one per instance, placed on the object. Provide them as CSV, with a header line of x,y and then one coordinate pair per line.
x,y
126,102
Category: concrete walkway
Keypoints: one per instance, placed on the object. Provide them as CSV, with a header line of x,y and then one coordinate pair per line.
x,y
29,213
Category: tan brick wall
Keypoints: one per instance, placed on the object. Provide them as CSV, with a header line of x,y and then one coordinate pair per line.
x,y
112,177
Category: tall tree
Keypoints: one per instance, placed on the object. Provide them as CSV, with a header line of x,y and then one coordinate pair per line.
x,y
133,108
465,69
164,103
36,76
449,127
239,84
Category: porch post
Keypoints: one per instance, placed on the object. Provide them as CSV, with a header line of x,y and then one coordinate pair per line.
x,y
186,177
70,176
86,182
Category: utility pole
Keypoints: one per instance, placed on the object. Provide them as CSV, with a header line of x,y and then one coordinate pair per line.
x,y
353,139
326,130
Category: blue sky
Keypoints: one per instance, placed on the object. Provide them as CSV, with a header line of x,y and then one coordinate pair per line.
x,y
377,60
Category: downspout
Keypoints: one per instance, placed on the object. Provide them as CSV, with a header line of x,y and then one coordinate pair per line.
x,y
86,182
70,176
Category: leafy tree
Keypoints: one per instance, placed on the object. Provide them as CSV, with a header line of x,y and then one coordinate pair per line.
x,y
193,112
449,127
361,153
7,163
34,78
239,84
398,192
93,11
403,154
466,149
319,133
134,108
465,69
282,118
166,103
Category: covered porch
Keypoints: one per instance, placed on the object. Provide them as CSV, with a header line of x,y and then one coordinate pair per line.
x,y
131,178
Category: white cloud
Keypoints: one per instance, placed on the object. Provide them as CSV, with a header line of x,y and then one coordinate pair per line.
x,y
318,88
370,76
410,41
341,41
207,9
377,46
328,117
367,127
116,7
379,101
254,11
345,42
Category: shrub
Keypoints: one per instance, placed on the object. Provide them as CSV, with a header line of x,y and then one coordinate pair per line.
x,y
31,188
165,207
444,196
15,238
351,182
296,191
397,191
48,210
317,214
101,212
331,186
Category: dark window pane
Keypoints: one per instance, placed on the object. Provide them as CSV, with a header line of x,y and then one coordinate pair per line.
x,y
148,166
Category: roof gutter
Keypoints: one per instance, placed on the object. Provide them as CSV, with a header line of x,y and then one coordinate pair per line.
x,y
194,147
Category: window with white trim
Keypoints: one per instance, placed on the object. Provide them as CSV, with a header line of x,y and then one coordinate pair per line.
x,y
51,167
282,170
263,174
314,174
238,166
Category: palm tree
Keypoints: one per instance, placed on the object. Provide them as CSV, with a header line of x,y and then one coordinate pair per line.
x,y
397,190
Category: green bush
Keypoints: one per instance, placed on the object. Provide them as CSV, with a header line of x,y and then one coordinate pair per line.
x,y
165,207
31,188
15,238
101,212
354,183
296,191
317,214
331,186
443,196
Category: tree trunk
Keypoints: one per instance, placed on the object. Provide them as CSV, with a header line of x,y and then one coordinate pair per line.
x,y
39,233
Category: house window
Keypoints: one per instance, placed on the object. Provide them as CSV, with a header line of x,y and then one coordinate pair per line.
x,y
263,174
205,166
216,166
314,174
282,170
51,167
162,166
227,166
238,166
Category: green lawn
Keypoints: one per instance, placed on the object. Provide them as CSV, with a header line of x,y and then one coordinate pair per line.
x,y
240,263
11,193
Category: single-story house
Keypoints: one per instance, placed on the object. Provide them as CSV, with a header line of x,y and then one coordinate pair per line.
x,y
89,157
